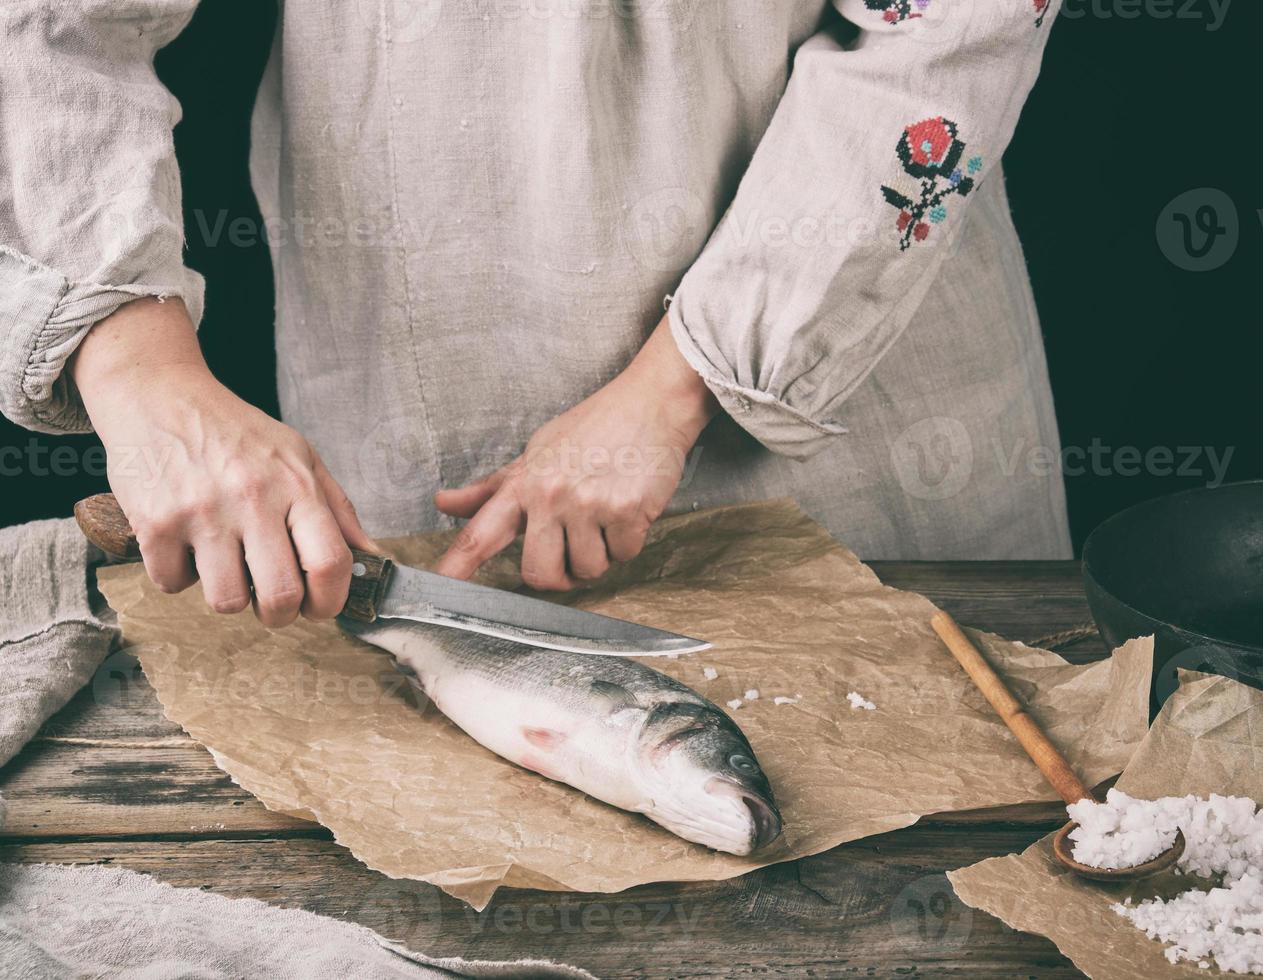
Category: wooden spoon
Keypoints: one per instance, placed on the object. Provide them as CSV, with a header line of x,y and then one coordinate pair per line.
x,y
1044,754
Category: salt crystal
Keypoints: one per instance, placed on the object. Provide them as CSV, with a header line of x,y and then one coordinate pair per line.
x,y
734,704
859,701
710,673
752,695
1223,837
784,700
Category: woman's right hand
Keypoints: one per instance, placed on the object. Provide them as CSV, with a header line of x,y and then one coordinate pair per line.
x,y
214,488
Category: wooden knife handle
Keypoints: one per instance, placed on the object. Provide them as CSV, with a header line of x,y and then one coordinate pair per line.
x,y
369,575
104,524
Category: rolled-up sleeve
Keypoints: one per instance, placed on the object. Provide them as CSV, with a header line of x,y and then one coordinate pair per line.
x,y
90,214
850,205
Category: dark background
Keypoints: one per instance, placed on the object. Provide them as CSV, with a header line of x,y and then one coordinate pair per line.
x,y
1132,111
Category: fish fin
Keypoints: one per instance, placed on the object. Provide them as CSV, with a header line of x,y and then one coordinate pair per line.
x,y
617,695
404,668
543,738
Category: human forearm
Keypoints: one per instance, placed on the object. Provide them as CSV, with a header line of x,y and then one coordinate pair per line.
x,y
659,371
143,339
590,482
214,488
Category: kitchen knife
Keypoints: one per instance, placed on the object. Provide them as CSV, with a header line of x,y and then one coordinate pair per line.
x,y
382,589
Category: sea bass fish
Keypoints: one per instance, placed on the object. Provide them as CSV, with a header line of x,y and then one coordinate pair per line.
x,y
615,729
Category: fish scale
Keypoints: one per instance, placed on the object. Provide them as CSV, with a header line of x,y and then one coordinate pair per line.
x,y
616,729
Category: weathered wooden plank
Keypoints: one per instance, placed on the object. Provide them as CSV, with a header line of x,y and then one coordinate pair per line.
x,y
1019,600
59,790
879,907
1060,580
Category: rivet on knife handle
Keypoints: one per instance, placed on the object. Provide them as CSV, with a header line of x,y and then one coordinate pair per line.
x,y
369,577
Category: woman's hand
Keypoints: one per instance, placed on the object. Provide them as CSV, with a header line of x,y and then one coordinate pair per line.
x,y
592,480
214,488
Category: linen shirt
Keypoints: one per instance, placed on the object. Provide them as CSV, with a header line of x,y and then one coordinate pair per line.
x,y
477,207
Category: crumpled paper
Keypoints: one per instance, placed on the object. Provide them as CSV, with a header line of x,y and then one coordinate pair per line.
x,y
1207,739
320,726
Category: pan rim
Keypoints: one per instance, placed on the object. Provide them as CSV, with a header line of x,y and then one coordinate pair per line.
x,y
1091,570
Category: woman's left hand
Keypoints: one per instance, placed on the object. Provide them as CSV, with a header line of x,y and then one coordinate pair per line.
x,y
591,481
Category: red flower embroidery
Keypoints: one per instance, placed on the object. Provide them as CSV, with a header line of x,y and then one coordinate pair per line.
x,y
931,153
897,11
928,144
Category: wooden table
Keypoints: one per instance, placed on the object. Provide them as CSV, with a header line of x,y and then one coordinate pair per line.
x,y
110,781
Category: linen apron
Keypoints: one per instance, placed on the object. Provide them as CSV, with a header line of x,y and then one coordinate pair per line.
x,y
477,207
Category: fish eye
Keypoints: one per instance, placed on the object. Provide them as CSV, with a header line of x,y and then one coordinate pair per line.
x,y
743,763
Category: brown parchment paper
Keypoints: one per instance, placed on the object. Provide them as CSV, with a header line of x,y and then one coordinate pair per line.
x,y
318,725
1207,739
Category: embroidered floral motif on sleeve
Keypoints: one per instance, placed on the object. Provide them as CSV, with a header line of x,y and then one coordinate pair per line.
x,y
1041,10
933,157
897,11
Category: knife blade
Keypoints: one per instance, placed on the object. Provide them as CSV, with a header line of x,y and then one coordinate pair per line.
x,y
380,589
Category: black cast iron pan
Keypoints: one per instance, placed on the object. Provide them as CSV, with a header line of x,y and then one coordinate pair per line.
x,y
1187,568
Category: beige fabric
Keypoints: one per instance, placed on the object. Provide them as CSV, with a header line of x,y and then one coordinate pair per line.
x,y
51,639
477,206
109,922
89,189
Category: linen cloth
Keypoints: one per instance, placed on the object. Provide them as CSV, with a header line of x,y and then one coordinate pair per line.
x,y
476,208
58,921
90,922
51,638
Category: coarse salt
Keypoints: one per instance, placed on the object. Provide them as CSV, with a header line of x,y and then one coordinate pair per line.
x,y
1223,834
710,673
785,700
734,704
1221,925
858,701
1223,840
752,695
